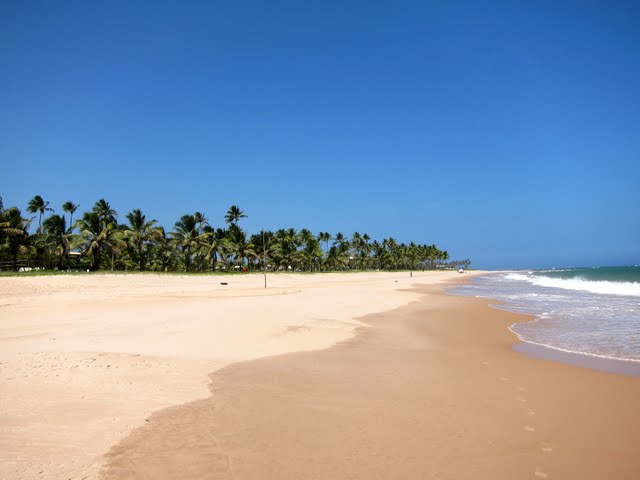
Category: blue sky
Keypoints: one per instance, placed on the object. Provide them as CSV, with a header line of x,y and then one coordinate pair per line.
x,y
504,132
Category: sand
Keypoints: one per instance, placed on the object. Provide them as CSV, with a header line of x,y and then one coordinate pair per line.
x,y
428,386
84,359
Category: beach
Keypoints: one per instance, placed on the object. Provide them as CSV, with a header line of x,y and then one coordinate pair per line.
x,y
87,358
368,375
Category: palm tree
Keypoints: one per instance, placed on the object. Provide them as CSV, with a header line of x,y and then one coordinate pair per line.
x,y
71,208
201,220
359,248
325,237
98,231
444,256
56,229
311,252
242,249
340,242
195,245
13,233
8,224
340,257
104,211
379,253
393,250
215,245
139,232
38,205
162,251
336,259
286,243
92,237
413,255
188,237
116,243
263,245
365,251
233,215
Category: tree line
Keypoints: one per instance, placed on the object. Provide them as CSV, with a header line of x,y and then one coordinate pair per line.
x,y
97,240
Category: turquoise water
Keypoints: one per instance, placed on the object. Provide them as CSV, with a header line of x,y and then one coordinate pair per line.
x,y
620,275
589,311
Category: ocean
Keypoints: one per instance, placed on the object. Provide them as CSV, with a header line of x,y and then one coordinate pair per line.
x,y
587,311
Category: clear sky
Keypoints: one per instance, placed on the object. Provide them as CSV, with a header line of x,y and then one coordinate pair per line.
x,y
504,132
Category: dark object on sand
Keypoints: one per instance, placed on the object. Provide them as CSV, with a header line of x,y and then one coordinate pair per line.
x,y
224,283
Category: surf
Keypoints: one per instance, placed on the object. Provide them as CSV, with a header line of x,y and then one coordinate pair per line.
x,y
603,287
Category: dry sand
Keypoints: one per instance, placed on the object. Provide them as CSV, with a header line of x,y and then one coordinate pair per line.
x,y
84,359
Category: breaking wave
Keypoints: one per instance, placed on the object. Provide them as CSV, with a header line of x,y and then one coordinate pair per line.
x,y
604,287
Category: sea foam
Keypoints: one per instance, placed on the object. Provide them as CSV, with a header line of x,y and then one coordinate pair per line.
x,y
598,317
604,287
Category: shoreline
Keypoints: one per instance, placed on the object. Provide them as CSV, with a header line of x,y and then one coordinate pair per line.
x,y
578,359
531,349
308,414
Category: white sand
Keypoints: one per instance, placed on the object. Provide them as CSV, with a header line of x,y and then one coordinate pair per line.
x,y
86,358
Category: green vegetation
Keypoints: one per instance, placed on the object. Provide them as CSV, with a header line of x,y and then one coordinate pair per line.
x,y
96,241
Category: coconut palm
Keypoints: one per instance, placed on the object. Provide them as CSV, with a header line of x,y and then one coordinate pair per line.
x,y
341,242
38,205
337,259
201,220
325,237
70,208
378,253
189,238
93,236
233,215
242,250
195,245
55,228
360,248
162,252
393,250
286,243
139,233
13,233
215,245
263,245
104,211
117,244
311,254
9,226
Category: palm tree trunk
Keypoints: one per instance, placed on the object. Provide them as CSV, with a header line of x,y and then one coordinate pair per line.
x,y
140,259
95,260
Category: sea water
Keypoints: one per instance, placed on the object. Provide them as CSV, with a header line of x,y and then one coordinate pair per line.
x,y
589,311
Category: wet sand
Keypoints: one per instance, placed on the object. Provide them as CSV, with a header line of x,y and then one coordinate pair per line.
x,y
430,390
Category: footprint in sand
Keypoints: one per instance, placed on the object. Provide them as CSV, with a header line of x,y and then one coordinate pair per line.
x,y
504,379
521,389
546,447
521,399
539,473
529,428
531,413
485,363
